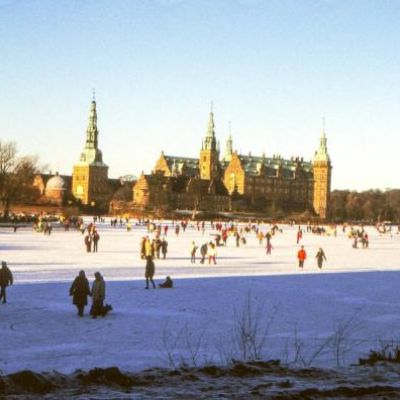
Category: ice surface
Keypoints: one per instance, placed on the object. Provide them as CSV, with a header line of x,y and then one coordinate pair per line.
x,y
40,330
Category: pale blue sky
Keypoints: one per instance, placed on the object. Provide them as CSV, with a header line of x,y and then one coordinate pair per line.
x,y
273,68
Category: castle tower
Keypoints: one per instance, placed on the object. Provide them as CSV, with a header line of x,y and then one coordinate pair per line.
x,y
322,178
228,147
90,174
209,154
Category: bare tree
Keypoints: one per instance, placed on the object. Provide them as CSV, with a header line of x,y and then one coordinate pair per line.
x,y
16,176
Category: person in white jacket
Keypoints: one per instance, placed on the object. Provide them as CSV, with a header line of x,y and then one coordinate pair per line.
x,y
98,295
212,252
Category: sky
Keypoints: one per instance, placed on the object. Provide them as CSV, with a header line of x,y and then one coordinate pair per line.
x,y
274,68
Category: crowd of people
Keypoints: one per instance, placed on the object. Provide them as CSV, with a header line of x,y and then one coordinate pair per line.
x,y
154,246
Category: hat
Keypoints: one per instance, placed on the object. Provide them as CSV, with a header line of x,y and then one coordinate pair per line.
x,y
3,264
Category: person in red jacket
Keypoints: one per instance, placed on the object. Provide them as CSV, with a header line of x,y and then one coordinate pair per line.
x,y
301,256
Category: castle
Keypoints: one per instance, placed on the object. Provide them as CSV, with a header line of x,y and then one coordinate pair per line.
x,y
236,181
209,183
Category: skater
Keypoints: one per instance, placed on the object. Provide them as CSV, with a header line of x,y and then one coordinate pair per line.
x,y
212,252
224,237
164,247
143,248
149,272
260,236
6,279
193,253
320,258
301,256
150,267
299,235
80,291
168,284
203,252
157,245
88,243
268,247
98,295
237,237
95,240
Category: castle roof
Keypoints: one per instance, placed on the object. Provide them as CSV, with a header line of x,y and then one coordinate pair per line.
x,y
268,166
189,165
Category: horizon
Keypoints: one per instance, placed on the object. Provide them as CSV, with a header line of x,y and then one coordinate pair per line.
x,y
274,69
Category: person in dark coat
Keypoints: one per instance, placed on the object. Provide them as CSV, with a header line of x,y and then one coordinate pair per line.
x,y
95,239
6,279
168,284
80,291
320,258
149,273
88,243
203,252
164,247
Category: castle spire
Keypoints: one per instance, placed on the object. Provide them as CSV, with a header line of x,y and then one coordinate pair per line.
x,y
210,142
322,153
228,146
92,131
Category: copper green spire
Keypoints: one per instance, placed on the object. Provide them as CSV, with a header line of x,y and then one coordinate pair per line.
x,y
322,153
92,131
91,153
228,146
209,142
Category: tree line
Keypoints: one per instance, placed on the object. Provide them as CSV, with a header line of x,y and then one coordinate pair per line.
x,y
16,177
368,206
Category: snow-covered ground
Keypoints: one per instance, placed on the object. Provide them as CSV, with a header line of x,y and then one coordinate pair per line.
x,y
309,309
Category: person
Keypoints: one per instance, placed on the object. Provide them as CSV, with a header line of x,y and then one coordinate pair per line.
x,y
168,284
320,257
366,240
237,237
203,252
95,239
212,252
143,247
224,236
299,235
149,272
301,256
80,291
98,295
269,247
6,279
193,253
260,236
164,247
150,267
157,246
88,243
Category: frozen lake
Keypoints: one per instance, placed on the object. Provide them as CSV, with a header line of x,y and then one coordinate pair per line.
x,y
40,330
